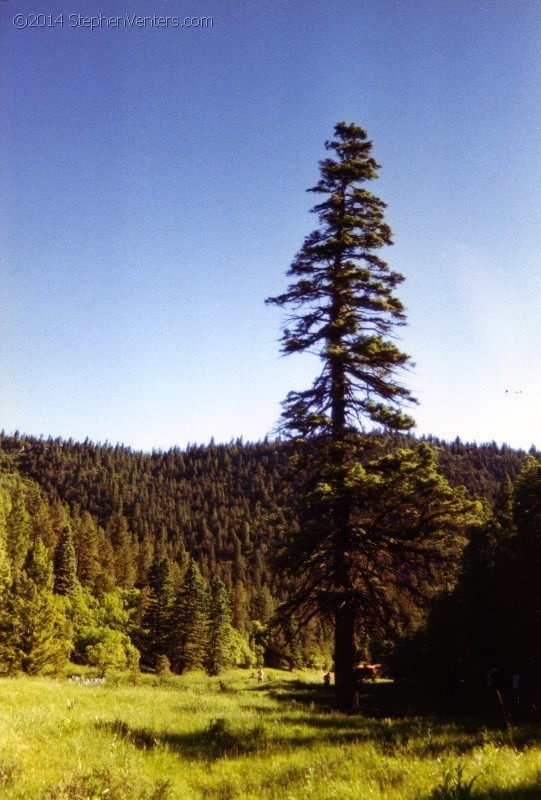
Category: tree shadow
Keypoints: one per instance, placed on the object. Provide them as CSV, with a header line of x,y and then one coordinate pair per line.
x,y
397,716
305,694
219,740
384,723
521,792
377,699
389,699
421,738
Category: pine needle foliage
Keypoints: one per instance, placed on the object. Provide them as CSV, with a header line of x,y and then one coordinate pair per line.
x,y
219,628
343,303
365,527
65,564
189,623
34,632
156,620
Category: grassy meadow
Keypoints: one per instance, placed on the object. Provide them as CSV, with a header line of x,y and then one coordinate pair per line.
x,y
227,737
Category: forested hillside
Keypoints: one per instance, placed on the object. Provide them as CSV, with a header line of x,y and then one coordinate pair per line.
x,y
146,528
211,497
224,504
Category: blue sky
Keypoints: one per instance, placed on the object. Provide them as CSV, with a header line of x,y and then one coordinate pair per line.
x,y
153,195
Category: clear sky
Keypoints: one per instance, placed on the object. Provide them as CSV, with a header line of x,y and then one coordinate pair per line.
x,y
153,195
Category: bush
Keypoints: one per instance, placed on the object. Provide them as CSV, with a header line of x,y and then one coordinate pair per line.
x,y
113,650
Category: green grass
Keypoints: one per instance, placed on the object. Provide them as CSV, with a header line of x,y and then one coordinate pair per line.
x,y
223,738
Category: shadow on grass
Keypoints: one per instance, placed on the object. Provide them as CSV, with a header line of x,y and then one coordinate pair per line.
x,y
377,700
306,719
454,788
219,740
396,716
222,740
305,694
422,738
529,792
383,699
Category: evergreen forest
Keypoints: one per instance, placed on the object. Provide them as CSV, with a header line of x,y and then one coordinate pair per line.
x,y
166,561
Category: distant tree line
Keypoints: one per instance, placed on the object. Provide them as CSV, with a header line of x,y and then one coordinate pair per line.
x,y
104,595
113,558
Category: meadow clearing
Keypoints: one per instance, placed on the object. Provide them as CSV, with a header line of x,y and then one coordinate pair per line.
x,y
228,737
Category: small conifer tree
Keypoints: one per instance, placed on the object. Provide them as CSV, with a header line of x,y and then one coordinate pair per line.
x,y
219,628
189,623
35,633
163,668
156,620
65,564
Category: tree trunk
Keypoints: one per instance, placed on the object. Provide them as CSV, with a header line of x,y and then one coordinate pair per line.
x,y
345,653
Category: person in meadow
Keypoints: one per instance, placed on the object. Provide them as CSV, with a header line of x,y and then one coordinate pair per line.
x,y
260,676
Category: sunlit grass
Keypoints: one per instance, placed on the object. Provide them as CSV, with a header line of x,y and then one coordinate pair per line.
x,y
223,738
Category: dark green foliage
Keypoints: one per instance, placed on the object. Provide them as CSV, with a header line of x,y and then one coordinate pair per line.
x,y
239,607
156,620
201,500
125,552
65,564
523,612
34,631
230,505
481,597
218,655
490,620
342,308
263,605
86,543
188,637
481,468
225,504
503,507
343,303
407,521
163,668
18,529
366,524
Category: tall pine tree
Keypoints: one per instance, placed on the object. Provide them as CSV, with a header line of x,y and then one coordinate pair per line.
x,y
343,308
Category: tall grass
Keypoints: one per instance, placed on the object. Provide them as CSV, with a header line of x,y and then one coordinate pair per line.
x,y
224,738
